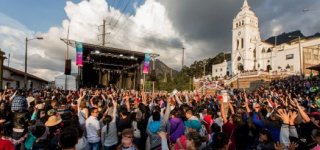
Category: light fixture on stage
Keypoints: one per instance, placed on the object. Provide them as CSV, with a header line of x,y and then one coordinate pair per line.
x,y
97,52
120,56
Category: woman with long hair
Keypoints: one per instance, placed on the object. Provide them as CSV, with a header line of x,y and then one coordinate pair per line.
x,y
109,135
83,112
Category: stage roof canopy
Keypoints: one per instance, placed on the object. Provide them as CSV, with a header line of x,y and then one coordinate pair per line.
x,y
104,57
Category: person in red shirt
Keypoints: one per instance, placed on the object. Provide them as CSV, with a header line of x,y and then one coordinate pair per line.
x,y
5,144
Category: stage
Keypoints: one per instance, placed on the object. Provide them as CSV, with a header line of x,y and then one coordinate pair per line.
x,y
104,65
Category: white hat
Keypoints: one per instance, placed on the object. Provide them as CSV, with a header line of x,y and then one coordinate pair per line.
x,y
223,91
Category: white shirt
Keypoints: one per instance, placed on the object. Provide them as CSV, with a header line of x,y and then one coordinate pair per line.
x,y
219,121
136,131
92,126
110,138
81,115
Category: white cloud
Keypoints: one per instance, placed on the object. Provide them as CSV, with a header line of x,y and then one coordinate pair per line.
x,y
132,32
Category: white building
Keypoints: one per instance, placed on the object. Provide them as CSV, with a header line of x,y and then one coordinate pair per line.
x,y
13,78
222,69
71,80
288,51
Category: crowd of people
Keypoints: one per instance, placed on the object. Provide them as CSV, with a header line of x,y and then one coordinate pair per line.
x,y
283,115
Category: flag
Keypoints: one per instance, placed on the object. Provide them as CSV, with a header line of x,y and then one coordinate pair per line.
x,y
146,63
79,53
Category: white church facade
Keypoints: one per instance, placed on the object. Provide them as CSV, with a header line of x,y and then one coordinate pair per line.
x,y
292,51
221,70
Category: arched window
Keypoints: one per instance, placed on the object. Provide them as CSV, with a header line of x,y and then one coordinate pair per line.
x,y
236,24
242,43
263,50
269,67
237,44
269,50
240,67
242,22
239,58
288,66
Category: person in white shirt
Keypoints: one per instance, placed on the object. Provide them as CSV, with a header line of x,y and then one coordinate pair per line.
x,y
82,112
93,130
109,134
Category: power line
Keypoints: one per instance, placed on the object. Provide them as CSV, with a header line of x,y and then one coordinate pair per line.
x,y
115,6
124,11
124,23
118,7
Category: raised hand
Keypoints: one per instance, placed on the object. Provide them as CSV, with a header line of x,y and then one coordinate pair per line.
x,y
295,101
293,146
278,146
293,115
284,116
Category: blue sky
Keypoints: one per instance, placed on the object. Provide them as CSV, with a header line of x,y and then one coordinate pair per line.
x,y
40,15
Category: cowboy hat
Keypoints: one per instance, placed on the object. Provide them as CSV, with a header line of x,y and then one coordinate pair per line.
x,y
53,120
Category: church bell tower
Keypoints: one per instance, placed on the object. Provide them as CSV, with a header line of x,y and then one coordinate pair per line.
x,y
245,36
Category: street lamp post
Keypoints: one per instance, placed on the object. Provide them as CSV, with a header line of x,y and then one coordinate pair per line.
x,y
300,54
26,59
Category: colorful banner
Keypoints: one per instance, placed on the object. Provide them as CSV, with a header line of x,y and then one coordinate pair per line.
x,y
79,53
146,67
146,63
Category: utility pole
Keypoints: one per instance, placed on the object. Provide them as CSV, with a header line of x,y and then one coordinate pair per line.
x,y
171,74
26,60
204,76
104,33
182,57
67,58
